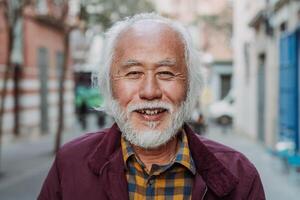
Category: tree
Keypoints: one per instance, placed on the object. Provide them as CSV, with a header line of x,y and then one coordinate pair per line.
x,y
60,126
67,29
13,10
105,12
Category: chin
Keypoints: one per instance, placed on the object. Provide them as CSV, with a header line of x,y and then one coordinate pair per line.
x,y
148,139
148,135
157,126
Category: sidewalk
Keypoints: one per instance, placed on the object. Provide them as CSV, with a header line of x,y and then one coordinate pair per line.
x,y
25,163
277,184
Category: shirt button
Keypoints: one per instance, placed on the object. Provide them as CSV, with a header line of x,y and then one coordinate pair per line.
x,y
151,181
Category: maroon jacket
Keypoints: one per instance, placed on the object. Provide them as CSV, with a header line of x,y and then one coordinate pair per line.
x,y
92,168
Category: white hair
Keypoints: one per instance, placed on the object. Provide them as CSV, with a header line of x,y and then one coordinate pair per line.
x,y
191,59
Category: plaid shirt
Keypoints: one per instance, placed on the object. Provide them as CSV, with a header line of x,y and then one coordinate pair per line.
x,y
172,181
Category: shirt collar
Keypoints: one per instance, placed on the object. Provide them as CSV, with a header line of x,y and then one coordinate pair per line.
x,y
183,155
127,150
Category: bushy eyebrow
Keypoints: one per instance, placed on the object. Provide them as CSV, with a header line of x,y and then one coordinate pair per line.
x,y
167,62
130,63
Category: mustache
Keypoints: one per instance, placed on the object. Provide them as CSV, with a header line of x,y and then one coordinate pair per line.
x,y
150,105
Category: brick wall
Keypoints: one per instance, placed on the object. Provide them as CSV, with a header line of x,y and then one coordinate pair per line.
x,y
3,39
36,35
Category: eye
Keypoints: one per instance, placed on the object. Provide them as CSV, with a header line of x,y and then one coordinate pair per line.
x,y
134,74
166,74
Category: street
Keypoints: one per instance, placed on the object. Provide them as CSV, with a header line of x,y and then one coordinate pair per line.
x,y
26,163
277,184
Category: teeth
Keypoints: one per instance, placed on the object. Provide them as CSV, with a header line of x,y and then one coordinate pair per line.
x,y
150,112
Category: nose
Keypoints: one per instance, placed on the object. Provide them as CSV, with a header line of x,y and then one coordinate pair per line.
x,y
150,89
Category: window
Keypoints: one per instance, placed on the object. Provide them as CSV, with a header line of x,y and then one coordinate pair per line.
x,y
283,27
41,6
225,84
59,65
247,61
57,2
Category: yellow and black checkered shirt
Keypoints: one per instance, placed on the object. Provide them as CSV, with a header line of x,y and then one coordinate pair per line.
x,y
173,181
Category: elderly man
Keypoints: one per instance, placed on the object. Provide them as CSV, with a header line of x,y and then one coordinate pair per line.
x,y
150,79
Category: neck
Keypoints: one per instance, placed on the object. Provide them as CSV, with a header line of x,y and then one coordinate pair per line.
x,y
162,155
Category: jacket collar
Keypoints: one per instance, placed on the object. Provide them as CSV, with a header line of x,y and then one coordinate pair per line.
x,y
107,150
216,176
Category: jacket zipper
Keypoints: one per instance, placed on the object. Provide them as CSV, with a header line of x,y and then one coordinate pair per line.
x,y
204,193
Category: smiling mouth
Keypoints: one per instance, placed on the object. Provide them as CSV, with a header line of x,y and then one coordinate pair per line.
x,y
151,114
151,111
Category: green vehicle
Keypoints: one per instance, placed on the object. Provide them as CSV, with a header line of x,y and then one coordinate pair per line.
x,y
87,99
89,96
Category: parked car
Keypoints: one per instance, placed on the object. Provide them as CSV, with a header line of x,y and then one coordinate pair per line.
x,y
222,111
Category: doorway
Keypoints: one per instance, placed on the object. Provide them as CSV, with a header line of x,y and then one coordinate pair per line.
x,y
261,97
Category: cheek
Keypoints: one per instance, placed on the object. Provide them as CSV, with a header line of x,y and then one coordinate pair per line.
x,y
176,92
123,91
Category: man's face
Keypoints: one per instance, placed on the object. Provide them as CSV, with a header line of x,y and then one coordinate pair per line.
x,y
149,67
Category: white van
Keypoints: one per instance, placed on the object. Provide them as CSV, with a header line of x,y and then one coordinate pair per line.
x,y
223,111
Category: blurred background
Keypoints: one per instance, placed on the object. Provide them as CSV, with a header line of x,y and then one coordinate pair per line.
x,y
50,53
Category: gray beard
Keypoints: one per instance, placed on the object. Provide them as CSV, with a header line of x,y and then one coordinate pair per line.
x,y
152,138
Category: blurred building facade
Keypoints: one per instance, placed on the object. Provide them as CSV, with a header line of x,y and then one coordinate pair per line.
x,y
259,30
37,63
